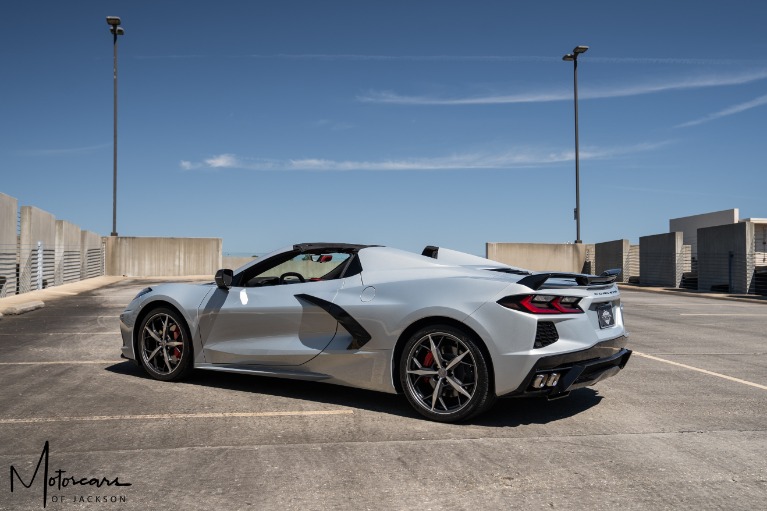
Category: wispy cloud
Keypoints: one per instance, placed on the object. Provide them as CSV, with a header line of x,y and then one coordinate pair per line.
x,y
566,95
521,158
66,151
221,161
742,107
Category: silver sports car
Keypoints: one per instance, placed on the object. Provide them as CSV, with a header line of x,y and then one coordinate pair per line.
x,y
451,331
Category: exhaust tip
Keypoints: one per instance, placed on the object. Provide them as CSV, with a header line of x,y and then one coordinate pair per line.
x,y
545,380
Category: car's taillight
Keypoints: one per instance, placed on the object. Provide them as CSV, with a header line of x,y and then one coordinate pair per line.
x,y
543,304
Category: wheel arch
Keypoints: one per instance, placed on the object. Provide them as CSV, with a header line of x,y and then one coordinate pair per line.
x,y
146,310
436,320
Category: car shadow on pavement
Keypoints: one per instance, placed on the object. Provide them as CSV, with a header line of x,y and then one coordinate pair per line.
x,y
505,413
514,412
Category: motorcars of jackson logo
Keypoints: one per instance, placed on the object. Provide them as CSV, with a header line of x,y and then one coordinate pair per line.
x,y
61,481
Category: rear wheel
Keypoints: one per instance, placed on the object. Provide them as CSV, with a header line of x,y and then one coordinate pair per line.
x,y
444,374
164,345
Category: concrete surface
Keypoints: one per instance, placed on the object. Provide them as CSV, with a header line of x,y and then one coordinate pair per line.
x,y
37,226
234,262
132,257
567,257
683,429
613,254
715,264
85,286
661,260
689,225
23,308
700,294
8,210
68,252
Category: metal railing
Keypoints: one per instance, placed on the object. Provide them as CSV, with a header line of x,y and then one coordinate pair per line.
x,y
734,273
25,268
8,272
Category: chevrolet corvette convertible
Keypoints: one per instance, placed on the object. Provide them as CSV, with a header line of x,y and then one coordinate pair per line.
x,y
449,330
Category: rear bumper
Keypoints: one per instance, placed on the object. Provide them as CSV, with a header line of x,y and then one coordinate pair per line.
x,y
555,376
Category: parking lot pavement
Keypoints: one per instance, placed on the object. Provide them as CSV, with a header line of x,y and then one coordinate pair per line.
x,y
683,426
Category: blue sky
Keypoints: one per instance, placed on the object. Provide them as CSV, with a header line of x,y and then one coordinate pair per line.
x,y
401,123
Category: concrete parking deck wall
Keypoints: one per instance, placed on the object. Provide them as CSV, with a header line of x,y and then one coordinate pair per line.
x,y
661,260
613,254
234,262
689,225
726,257
67,252
91,256
8,244
540,256
141,257
37,249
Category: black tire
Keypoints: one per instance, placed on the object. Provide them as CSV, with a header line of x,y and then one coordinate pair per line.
x,y
439,387
164,345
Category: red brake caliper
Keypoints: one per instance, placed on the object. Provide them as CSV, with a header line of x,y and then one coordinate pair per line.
x,y
176,351
428,360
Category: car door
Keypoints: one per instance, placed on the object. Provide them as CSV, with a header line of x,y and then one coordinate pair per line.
x,y
267,325
263,322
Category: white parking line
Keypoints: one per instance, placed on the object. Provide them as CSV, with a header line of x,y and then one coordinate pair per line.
x,y
724,314
62,362
710,373
62,333
40,316
221,415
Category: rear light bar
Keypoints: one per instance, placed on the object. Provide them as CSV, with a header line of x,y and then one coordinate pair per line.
x,y
543,304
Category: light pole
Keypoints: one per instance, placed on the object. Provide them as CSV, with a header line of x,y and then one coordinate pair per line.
x,y
574,57
114,27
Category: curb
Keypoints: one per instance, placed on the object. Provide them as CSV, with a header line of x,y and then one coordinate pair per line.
x,y
664,291
22,308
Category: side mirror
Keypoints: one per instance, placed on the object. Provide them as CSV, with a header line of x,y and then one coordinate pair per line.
x,y
224,278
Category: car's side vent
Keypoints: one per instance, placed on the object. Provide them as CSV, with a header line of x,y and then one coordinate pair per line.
x,y
545,334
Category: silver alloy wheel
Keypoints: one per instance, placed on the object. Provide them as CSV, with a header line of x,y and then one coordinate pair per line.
x,y
441,373
162,344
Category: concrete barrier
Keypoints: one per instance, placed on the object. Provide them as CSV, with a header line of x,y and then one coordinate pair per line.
x,y
9,207
613,254
67,257
726,257
37,248
689,225
234,262
91,255
661,260
541,256
142,257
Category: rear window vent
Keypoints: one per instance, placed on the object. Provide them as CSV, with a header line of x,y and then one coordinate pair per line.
x,y
545,334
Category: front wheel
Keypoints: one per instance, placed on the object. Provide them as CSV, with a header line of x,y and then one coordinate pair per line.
x,y
444,374
164,345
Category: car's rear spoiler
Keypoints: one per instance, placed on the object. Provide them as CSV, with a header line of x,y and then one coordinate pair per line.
x,y
537,280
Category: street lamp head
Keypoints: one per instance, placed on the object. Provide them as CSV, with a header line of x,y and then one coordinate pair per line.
x,y
113,20
580,49
569,57
117,30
